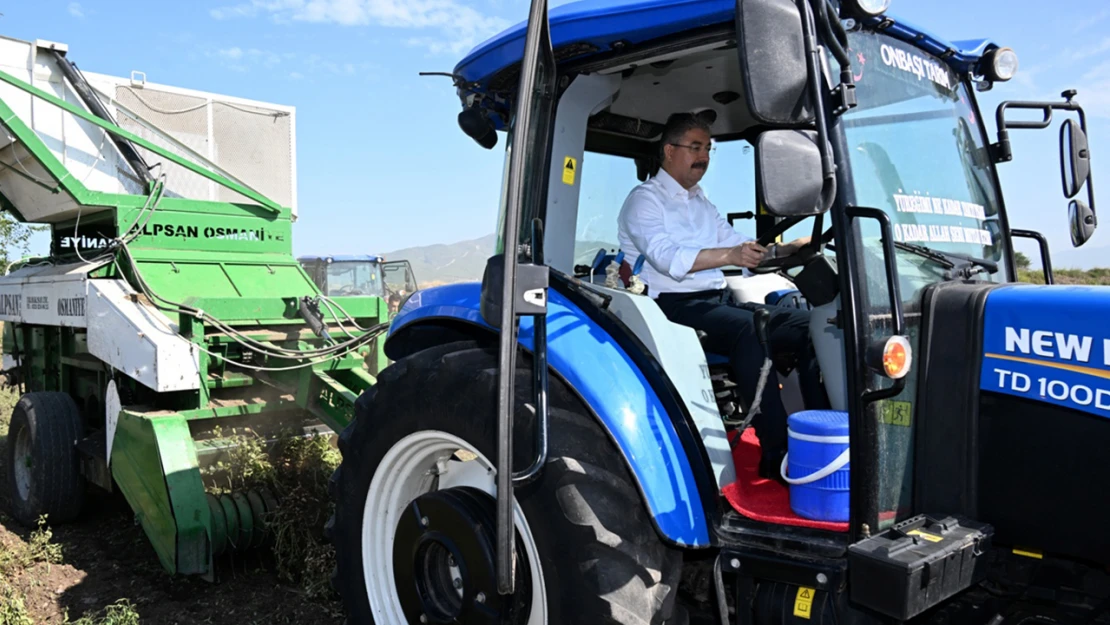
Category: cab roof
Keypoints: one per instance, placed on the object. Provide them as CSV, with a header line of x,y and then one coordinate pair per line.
x,y
343,258
589,28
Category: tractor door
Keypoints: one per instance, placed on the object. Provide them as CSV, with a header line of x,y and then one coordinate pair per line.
x,y
400,282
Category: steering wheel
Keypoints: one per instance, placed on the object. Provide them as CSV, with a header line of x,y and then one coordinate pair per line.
x,y
797,259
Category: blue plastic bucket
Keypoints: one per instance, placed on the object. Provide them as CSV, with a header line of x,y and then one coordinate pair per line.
x,y
816,467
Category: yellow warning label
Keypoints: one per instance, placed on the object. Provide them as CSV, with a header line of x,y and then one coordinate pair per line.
x,y
1029,553
569,165
933,538
803,603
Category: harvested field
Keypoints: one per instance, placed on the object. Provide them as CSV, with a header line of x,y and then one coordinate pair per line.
x,y
102,570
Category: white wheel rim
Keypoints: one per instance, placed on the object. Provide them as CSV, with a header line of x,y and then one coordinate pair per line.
x,y
406,472
22,461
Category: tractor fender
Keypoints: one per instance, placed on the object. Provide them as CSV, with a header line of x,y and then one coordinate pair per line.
x,y
607,380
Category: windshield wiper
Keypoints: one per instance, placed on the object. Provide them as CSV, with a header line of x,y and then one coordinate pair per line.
x,y
957,265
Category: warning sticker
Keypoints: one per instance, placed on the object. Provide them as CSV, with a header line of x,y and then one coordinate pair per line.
x,y
569,165
933,538
803,603
898,413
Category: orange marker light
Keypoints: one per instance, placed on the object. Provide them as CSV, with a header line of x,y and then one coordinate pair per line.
x,y
897,356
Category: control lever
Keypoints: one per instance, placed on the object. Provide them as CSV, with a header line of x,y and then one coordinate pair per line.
x,y
762,316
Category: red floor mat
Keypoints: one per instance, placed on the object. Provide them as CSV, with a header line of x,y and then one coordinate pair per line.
x,y
762,499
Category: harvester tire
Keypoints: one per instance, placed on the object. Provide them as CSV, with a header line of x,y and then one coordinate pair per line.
x,y
602,560
43,470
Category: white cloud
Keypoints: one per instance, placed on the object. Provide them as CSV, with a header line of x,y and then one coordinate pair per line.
x,y
1095,95
459,26
1026,78
242,59
1093,50
1091,21
233,54
75,10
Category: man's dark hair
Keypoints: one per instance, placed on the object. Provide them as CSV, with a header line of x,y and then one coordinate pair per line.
x,y
677,126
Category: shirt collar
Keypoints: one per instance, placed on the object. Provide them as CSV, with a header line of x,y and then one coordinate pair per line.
x,y
673,189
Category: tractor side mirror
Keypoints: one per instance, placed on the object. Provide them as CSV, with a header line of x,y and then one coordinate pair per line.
x,y
1083,222
771,46
1075,157
789,176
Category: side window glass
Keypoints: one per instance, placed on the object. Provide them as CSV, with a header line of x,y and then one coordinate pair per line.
x,y
606,182
730,182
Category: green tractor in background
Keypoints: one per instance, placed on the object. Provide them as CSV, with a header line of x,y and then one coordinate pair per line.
x,y
363,275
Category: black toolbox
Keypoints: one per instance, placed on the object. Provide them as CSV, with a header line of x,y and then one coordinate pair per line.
x,y
917,564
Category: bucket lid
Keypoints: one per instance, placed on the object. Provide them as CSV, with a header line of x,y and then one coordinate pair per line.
x,y
819,422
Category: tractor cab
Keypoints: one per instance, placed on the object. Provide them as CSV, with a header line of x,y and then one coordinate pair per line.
x,y
362,275
338,276
911,182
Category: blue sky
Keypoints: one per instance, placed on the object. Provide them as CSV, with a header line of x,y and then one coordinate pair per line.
x,y
381,162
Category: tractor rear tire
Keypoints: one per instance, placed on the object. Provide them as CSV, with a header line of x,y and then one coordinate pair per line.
x,y
601,558
44,469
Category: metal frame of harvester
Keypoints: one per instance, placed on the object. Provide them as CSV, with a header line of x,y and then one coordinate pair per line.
x,y
162,319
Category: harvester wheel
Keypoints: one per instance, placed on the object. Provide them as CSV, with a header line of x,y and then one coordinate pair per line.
x,y
414,529
44,473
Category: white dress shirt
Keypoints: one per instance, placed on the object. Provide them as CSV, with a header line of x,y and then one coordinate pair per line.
x,y
670,226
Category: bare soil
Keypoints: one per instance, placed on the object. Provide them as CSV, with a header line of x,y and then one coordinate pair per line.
x,y
106,557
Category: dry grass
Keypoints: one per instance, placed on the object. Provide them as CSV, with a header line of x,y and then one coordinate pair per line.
x,y
296,471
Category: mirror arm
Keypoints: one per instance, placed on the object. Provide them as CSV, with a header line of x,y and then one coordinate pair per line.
x,y
828,167
1046,261
1090,170
1001,151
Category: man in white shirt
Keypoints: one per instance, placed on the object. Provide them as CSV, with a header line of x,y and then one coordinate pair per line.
x,y
685,240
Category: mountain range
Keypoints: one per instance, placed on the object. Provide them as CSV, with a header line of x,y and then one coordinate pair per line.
x,y
465,261
444,263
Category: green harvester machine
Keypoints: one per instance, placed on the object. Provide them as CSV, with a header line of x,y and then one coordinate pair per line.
x,y
170,310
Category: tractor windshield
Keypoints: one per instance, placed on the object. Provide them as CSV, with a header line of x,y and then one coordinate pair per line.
x,y
355,278
919,153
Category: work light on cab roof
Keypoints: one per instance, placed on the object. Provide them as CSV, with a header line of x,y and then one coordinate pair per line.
x,y
869,8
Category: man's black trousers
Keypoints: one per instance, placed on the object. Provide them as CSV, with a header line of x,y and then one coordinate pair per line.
x,y
730,327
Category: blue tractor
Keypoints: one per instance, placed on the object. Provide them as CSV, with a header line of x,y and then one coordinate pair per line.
x,y
548,448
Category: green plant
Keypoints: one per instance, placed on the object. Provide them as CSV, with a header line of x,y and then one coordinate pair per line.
x,y
119,613
41,547
13,610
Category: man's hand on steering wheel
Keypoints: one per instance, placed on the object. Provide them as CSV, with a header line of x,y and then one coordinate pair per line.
x,y
747,255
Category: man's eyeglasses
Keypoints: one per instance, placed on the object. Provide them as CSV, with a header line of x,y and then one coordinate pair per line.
x,y
698,149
